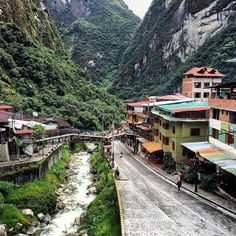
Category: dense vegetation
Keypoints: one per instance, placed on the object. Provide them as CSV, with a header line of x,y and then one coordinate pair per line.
x,y
144,68
103,213
35,78
37,195
98,36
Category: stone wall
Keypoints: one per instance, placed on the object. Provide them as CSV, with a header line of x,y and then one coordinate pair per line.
x,y
4,153
24,172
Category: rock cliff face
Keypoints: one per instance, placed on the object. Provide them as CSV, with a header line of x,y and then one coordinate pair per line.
x,y
97,33
32,18
172,31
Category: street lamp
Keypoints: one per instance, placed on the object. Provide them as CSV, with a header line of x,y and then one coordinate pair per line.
x,y
196,168
113,147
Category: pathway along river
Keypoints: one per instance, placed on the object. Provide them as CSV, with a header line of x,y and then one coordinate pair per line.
x,y
76,202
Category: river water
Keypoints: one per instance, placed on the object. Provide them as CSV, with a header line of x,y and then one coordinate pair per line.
x,y
76,202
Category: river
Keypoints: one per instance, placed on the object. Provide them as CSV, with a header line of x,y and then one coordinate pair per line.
x,y
75,202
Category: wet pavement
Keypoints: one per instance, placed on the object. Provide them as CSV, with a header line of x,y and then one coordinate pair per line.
x,y
153,206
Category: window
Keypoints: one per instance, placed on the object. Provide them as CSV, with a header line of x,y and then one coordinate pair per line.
x,y
156,120
195,132
206,95
215,133
229,139
160,122
173,129
197,85
197,95
216,114
165,140
227,113
160,136
206,84
173,145
156,132
222,112
166,125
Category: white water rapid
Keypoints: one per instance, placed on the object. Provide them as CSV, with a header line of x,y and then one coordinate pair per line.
x,y
80,178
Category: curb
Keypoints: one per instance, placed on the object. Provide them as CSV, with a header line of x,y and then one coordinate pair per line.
x,y
121,209
188,191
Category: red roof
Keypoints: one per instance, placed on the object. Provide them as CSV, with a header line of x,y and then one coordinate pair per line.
x,y
204,71
191,109
3,107
143,127
137,104
25,131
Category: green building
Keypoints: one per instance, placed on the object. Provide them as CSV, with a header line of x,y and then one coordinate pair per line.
x,y
179,122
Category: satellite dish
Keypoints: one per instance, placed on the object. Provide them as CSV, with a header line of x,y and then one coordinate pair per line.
x,y
35,114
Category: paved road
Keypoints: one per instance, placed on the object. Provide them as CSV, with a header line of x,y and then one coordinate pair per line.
x,y
159,200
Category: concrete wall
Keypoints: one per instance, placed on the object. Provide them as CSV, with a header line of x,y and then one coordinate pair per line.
x,y
25,172
4,152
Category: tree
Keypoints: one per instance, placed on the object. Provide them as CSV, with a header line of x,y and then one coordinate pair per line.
x,y
39,131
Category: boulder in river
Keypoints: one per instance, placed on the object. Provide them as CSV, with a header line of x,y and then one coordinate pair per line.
x,y
3,231
28,212
60,205
18,226
77,221
83,232
40,216
47,218
82,217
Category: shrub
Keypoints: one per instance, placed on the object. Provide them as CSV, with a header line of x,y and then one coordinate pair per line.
x,y
10,216
5,187
169,164
208,183
188,174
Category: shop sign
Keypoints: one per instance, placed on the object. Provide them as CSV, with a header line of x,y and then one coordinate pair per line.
x,y
225,126
232,129
215,124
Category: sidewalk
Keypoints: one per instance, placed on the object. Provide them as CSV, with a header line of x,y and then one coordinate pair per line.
x,y
189,188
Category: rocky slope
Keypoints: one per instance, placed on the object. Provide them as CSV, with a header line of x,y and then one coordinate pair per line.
x,y
171,35
97,33
36,78
32,18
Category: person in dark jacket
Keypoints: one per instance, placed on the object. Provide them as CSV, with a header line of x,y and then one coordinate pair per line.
x,y
117,173
180,179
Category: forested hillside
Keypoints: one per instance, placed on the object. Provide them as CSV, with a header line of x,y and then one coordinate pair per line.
x,y
175,36
36,78
96,32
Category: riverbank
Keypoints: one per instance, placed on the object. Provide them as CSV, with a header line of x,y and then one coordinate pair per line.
x,y
103,213
38,197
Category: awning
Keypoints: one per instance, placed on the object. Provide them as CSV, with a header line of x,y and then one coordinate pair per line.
x,y
142,127
142,140
152,147
219,157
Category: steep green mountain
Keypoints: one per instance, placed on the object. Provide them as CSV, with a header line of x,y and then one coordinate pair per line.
x,y
175,36
33,19
97,33
36,78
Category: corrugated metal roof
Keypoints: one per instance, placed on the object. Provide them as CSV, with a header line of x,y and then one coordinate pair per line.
x,y
186,106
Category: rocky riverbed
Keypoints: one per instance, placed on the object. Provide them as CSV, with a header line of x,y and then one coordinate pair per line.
x,y
73,198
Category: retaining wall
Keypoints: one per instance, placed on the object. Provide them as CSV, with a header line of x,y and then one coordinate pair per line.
x,y
24,172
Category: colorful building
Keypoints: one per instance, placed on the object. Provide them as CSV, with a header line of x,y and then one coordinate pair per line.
x,y
220,148
197,80
179,122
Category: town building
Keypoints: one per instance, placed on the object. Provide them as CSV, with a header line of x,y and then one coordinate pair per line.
x,y
220,148
179,122
197,80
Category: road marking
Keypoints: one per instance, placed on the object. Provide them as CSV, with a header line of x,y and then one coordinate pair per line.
x,y
168,194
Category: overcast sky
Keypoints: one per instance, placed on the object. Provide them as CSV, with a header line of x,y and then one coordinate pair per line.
x,y
139,7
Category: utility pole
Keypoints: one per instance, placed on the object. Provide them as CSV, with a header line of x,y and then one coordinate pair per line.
x,y
196,168
113,147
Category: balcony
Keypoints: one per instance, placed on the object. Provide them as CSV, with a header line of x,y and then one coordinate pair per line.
x,y
224,104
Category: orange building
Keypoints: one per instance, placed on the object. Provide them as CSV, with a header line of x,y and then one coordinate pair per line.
x,y
197,80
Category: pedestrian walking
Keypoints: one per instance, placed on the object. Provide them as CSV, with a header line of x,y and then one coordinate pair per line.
x,y
121,154
117,173
180,179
